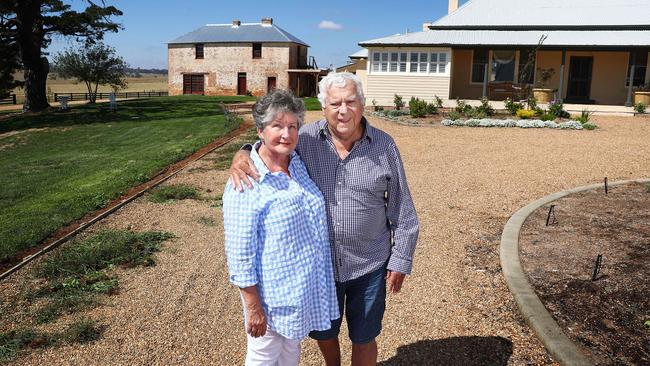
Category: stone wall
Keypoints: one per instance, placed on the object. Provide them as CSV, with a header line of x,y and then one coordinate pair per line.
x,y
222,63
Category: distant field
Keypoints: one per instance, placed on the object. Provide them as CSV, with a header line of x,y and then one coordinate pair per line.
x,y
148,82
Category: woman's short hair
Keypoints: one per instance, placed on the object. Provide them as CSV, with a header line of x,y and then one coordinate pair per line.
x,y
278,101
340,79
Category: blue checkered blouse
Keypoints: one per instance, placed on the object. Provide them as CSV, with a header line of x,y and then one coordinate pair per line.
x,y
277,239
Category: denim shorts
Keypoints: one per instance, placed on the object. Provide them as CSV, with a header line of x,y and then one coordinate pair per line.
x,y
365,302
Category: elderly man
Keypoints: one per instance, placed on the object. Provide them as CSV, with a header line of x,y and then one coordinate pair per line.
x,y
372,222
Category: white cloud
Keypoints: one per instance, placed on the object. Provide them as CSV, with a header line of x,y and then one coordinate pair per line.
x,y
328,24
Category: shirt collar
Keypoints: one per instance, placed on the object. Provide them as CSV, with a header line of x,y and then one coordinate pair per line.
x,y
368,130
262,168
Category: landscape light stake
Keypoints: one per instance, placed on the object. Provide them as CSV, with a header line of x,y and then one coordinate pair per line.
x,y
551,211
605,185
599,260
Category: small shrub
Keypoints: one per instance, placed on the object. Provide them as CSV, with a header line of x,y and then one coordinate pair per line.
x,y
585,116
547,116
174,192
526,113
589,126
248,93
640,107
512,106
432,108
485,108
647,187
417,107
454,115
475,113
462,107
398,101
437,101
556,108
532,103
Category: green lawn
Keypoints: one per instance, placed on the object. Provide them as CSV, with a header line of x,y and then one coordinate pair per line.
x,y
57,167
312,104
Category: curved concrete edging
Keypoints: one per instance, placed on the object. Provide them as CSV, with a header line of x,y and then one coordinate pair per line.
x,y
532,309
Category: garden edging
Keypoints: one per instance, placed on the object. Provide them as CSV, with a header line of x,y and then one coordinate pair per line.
x,y
530,306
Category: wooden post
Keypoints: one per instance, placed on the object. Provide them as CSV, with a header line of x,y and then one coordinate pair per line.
x,y
56,97
628,102
485,80
560,89
13,97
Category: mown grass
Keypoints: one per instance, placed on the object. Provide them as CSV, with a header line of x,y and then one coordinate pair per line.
x,y
173,192
312,104
77,161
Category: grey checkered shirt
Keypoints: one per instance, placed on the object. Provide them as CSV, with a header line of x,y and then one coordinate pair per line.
x,y
371,217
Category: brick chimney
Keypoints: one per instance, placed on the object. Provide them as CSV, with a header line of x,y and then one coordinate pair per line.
x,y
236,23
267,22
453,5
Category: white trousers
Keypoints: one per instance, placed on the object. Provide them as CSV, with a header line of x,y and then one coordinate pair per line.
x,y
272,349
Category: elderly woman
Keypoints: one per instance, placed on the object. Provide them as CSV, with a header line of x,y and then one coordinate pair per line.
x,y
277,241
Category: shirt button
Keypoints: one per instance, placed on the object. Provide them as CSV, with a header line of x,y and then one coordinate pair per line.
x,y
340,182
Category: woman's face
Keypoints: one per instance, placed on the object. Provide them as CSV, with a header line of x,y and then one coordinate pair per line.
x,y
280,136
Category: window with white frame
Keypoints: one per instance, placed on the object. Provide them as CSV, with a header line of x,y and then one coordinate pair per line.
x,y
410,62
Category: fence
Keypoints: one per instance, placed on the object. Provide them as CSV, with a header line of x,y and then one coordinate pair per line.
x,y
10,100
86,96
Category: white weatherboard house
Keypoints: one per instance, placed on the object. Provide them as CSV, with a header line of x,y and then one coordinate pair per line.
x,y
592,50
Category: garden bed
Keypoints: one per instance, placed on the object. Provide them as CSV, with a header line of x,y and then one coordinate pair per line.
x,y
607,316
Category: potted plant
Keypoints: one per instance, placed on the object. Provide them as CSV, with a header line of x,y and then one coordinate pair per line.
x,y
541,91
642,94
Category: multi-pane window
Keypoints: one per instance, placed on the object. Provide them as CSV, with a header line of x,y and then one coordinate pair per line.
x,y
438,63
479,61
410,62
198,50
257,50
402,61
393,62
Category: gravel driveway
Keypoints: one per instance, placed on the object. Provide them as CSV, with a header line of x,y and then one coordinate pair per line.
x,y
454,310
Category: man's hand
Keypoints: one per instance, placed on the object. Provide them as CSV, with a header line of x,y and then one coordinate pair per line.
x,y
394,281
242,169
256,324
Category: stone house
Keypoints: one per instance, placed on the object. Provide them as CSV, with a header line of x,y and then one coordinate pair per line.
x,y
587,52
238,59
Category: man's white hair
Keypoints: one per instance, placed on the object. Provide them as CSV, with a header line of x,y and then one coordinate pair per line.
x,y
339,79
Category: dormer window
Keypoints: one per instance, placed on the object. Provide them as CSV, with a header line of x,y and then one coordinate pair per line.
x,y
257,50
198,50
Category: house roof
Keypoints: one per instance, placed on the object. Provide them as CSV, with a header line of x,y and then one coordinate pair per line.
x,y
362,53
246,32
555,38
550,14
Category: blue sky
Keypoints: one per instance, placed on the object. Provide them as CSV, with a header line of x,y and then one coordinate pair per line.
x,y
149,25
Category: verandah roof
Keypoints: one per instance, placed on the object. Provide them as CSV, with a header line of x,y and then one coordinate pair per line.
x,y
555,38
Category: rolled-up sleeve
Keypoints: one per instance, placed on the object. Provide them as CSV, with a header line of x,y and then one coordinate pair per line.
x,y
240,217
402,216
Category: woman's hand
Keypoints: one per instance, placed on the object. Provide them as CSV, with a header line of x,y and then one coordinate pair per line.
x,y
256,320
255,317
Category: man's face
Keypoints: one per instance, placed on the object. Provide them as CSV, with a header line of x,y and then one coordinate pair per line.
x,y
343,111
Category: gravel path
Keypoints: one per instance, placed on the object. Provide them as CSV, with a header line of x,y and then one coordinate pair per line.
x,y
454,310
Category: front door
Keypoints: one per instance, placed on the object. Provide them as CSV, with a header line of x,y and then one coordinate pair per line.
x,y
241,83
270,85
580,68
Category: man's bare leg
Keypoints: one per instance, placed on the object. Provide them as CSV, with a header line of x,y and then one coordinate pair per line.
x,y
331,351
364,354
